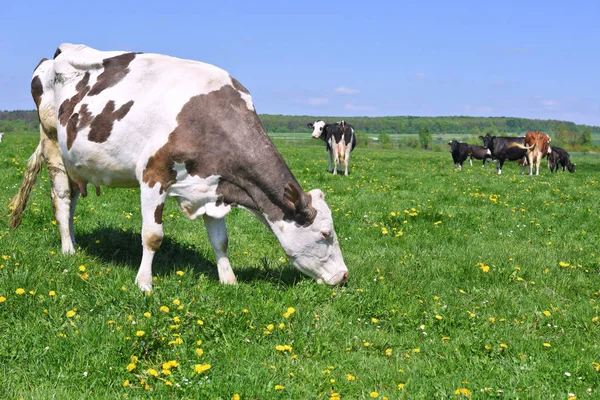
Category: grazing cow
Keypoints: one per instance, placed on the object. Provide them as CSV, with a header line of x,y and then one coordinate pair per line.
x,y
339,142
559,156
539,144
462,151
505,148
175,128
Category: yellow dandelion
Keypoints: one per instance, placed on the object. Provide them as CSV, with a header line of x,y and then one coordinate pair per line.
x,y
134,359
82,268
200,322
236,397
374,320
279,387
439,317
595,319
20,291
445,339
374,394
417,350
176,302
547,313
200,368
140,333
463,391
126,383
547,345
388,352
199,351
503,346
401,386
596,366
164,309
147,315
152,372
492,320
2,299
70,313
180,273
130,367
52,293
563,264
350,377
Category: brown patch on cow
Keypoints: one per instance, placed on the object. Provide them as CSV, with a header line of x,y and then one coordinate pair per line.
x,y
101,126
153,241
115,69
158,213
77,122
238,86
72,129
37,90
68,106
216,134
57,52
40,63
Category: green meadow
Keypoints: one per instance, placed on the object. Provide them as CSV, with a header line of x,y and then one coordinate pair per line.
x,y
462,284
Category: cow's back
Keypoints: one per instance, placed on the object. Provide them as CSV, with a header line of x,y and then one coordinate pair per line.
x,y
113,110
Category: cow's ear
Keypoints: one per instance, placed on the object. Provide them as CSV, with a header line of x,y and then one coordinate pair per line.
x,y
299,204
481,137
310,125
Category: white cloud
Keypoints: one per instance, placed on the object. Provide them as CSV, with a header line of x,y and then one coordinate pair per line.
x,y
420,75
314,101
550,104
345,90
356,107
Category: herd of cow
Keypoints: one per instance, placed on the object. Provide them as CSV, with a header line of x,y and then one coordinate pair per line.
x,y
528,150
186,129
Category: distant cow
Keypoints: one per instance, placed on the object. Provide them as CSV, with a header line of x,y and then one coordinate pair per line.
x,y
176,128
559,156
539,144
339,142
505,148
1,136
479,153
462,151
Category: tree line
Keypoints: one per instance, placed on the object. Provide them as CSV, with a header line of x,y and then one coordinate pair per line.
x,y
564,133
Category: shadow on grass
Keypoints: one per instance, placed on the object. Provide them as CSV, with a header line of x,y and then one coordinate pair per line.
x,y
125,248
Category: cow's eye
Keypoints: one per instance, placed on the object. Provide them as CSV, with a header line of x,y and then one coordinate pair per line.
x,y
321,128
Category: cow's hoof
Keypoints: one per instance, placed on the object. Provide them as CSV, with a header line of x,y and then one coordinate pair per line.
x,y
145,285
68,249
230,280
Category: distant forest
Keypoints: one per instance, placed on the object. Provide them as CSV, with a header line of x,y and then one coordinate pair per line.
x,y
20,120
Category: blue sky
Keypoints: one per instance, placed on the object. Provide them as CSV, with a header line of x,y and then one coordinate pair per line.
x,y
533,59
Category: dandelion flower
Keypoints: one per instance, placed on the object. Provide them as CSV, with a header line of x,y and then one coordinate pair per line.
x,y
20,291
350,377
152,372
147,315
547,313
374,394
126,383
130,367
463,391
563,264
164,309
82,268
200,368
547,345
180,273
140,333
176,302
52,293
401,386
236,397
388,352
438,317
2,299
279,387
70,313
199,351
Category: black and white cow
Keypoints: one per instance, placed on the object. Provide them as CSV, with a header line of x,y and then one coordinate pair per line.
x,y
339,142
506,149
462,151
559,156
479,153
174,128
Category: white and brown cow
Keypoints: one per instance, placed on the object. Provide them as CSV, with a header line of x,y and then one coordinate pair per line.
x,y
175,128
339,141
539,144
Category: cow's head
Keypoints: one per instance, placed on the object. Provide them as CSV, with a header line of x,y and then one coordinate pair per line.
x,y
317,128
571,167
453,146
311,242
487,141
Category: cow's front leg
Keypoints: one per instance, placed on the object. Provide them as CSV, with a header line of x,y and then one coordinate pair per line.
x,y
217,235
153,203
329,156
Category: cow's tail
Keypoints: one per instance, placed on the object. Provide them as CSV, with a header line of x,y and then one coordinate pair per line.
x,y
524,147
19,202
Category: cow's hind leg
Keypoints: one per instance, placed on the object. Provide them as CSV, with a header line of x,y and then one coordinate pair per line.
x,y
153,202
217,235
329,157
60,192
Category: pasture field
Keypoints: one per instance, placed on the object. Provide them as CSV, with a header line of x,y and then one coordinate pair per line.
x,y
462,284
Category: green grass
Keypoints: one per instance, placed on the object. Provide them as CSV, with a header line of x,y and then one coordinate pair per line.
x,y
419,310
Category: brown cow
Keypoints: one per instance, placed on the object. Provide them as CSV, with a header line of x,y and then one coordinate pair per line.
x,y
539,144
